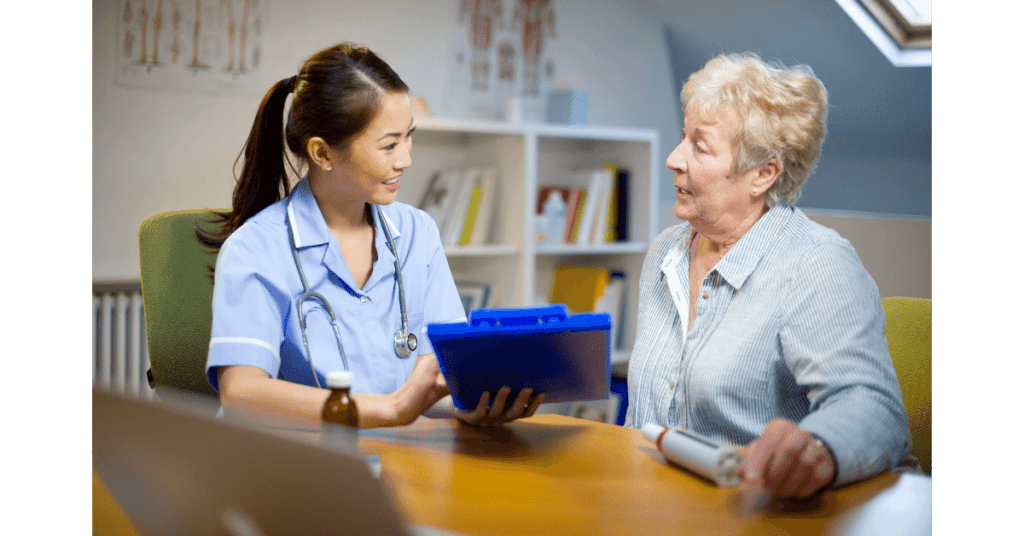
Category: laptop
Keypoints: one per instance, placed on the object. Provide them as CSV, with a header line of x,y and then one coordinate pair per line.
x,y
175,470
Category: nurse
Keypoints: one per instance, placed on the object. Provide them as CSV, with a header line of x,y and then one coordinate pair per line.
x,y
335,238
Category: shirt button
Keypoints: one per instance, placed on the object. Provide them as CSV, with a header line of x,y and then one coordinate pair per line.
x,y
705,295
363,299
672,386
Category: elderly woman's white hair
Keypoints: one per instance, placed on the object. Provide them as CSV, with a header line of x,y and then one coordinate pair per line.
x,y
782,114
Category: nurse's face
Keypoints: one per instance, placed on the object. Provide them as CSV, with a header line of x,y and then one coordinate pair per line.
x,y
378,156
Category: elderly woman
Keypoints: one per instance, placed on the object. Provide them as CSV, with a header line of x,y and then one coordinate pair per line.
x,y
757,324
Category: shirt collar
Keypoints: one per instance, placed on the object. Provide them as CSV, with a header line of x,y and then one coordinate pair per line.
x,y
307,223
743,257
677,252
391,225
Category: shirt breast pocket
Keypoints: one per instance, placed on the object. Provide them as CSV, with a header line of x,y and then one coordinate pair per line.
x,y
418,328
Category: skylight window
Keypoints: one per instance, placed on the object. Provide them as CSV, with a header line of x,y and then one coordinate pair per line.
x,y
916,12
901,29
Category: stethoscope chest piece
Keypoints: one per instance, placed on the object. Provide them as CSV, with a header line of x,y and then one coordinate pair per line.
x,y
405,343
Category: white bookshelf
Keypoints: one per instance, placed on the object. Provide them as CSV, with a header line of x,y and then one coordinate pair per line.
x,y
529,157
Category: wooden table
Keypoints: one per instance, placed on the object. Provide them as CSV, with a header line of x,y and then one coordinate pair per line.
x,y
556,475
551,474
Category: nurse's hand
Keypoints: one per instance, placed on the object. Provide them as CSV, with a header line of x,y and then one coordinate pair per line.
x,y
788,461
495,414
422,390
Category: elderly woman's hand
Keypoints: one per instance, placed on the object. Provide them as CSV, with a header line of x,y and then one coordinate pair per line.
x,y
494,414
788,461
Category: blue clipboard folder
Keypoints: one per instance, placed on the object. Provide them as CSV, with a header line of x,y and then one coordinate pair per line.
x,y
566,357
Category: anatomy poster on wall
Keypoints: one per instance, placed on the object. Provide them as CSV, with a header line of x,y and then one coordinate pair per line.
x,y
500,58
201,45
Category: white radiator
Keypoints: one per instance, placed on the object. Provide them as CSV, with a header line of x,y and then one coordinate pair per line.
x,y
120,353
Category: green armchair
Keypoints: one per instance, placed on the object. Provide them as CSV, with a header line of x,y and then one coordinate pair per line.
x,y
177,293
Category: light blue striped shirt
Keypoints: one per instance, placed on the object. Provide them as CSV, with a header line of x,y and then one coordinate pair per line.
x,y
789,324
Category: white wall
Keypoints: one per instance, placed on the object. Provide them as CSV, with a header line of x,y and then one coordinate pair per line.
x,y
895,250
163,150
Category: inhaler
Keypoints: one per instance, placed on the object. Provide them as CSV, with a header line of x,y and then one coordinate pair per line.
x,y
718,463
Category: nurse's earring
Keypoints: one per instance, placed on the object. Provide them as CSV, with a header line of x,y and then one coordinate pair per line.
x,y
319,153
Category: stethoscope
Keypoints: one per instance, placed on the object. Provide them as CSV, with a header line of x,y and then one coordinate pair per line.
x,y
405,342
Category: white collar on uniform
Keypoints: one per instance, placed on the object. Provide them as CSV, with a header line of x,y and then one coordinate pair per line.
x,y
391,226
291,224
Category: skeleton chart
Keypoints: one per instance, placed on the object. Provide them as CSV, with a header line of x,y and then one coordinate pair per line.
x,y
192,45
500,52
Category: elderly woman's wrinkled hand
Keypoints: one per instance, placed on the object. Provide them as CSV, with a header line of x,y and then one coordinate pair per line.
x,y
495,414
788,461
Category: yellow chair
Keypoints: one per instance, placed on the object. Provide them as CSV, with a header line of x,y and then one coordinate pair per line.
x,y
177,292
908,329
108,519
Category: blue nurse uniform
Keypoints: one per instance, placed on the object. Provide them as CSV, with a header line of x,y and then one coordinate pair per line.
x,y
257,286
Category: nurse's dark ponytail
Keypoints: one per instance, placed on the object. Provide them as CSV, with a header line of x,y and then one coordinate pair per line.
x,y
337,93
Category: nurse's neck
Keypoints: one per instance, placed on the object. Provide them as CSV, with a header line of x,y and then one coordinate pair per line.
x,y
341,212
351,223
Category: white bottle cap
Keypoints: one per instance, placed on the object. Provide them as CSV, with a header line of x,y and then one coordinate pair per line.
x,y
340,379
651,431
553,203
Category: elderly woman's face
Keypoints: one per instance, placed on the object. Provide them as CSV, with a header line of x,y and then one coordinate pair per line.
x,y
708,192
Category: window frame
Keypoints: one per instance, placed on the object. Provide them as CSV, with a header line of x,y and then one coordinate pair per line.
x,y
907,34
895,46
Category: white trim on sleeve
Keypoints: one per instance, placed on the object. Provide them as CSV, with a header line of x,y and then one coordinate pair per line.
x,y
248,340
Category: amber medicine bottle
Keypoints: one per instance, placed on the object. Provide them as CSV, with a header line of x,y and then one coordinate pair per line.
x,y
340,407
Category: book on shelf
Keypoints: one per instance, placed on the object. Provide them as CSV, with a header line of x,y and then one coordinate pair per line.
x,y
463,204
592,199
594,219
597,205
486,212
435,197
621,204
612,212
578,287
471,212
613,301
456,216
617,221
438,198
582,219
574,214
587,200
